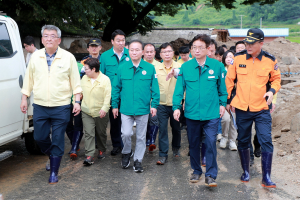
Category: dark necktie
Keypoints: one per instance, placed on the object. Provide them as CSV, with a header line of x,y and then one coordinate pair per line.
x,y
134,68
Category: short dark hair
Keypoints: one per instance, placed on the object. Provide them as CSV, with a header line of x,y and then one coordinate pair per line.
x,y
232,48
136,41
212,41
202,37
126,43
184,50
240,42
224,56
93,63
148,44
29,40
224,45
157,54
117,32
176,53
220,51
165,45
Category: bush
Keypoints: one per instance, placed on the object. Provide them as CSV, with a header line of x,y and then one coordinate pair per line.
x,y
196,22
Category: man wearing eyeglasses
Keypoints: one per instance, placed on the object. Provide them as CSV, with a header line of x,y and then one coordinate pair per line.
x,y
52,75
257,79
203,80
164,110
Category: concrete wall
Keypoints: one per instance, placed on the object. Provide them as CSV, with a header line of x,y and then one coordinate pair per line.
x,y
159,36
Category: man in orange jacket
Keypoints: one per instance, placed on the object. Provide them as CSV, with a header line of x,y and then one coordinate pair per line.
x,y
257,79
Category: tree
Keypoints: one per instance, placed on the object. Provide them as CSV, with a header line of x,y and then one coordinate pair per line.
x,y
185,17
196,22
92,16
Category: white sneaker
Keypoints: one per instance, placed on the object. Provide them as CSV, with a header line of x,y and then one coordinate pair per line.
x,y
219,137
232,145
223,143
134,123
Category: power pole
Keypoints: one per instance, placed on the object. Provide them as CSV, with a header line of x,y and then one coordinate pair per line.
x,y
260,23
242,21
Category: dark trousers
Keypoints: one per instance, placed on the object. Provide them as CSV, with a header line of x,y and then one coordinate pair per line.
x,y
75,123
115,129
163,115
182,118
43,119
263,128
195,129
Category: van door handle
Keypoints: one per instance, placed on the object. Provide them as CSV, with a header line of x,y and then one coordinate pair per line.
x,y
21,81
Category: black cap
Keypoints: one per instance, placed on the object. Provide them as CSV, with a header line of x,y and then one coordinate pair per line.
x,y
254,35
95,41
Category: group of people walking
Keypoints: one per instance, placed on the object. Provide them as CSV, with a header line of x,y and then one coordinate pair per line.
x,y
218,92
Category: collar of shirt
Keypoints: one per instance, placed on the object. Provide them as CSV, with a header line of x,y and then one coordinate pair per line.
x,y
201,65
259,56
90,56
50,58
121,54
170,67
136,66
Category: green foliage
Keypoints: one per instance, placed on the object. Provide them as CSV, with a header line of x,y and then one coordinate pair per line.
x,y
282,11
196,22
185,17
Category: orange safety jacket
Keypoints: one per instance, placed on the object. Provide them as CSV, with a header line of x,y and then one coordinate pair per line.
x,y
253,79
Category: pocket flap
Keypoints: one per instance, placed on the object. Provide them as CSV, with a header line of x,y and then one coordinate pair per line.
x,y
144,77
191,78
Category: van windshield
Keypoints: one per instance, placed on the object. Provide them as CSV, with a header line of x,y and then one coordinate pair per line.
x,y
5,43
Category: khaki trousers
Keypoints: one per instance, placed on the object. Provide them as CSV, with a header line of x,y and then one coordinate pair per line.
x,y
94,127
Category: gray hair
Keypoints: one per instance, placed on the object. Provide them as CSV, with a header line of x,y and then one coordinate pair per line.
x,y
51,27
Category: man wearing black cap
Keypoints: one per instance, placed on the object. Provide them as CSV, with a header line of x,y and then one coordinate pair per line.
x,y
257,79
94,47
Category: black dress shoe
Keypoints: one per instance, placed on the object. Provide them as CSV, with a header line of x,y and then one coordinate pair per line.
x,y
210,182
116,151
257,152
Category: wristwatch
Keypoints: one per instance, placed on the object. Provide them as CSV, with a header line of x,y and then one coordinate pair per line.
x,y
77,102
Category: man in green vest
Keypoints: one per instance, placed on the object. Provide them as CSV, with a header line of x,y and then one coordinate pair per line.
x,y
110,61
137,87
203,80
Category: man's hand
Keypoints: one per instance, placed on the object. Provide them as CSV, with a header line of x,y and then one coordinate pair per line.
x,y
102,113
76,109
273,108
170,74
23,106
229,107
153,111
115,112
176,115
222,111
270,97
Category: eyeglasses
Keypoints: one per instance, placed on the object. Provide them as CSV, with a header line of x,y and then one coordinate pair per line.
x,y
52,37
85,69
199,48
164,52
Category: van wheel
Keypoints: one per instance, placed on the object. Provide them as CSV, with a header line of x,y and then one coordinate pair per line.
x,y
31,145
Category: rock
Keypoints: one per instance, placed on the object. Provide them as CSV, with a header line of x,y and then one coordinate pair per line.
x,y
294,60
295,123
277,136
285,129
283,68
298,140
281,153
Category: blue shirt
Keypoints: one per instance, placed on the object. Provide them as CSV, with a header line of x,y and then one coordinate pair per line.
x,y
50,58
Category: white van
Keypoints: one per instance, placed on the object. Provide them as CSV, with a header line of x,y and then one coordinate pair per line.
x,y
13,123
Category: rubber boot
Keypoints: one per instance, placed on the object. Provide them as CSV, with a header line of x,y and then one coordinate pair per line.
x,y
54,166
148,135
77,136
203,157
266,166
70,136
245,162
154,130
